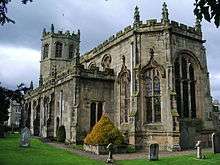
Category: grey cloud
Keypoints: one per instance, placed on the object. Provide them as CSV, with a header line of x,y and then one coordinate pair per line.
x,y
98,20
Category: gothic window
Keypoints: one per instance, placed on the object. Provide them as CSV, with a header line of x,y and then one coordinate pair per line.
x,y
152,95
58,49
185,87
106,61
92,66
92,115
71,51
125,97
45,51
99,113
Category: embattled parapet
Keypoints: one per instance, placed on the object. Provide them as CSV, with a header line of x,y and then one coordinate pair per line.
x,y
61,34
150,25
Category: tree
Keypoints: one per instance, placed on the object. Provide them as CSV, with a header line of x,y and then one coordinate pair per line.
x,y
208,9
4,105
3,11
6,95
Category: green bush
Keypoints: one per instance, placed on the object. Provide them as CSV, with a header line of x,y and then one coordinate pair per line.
x,y
61,134
103,133
131,149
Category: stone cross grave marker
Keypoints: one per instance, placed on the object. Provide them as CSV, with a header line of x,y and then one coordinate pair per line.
x,y
110,153
216,142
199,150
153,151
25,137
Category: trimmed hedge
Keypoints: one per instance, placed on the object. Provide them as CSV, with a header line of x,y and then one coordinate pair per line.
x,y
103,133
61,134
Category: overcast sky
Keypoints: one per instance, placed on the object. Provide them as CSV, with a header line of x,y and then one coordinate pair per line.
x,y
97,19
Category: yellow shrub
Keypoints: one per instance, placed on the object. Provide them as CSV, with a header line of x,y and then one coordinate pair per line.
x,y
103,133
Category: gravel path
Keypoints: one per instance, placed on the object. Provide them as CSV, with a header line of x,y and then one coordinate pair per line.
x,y
137,155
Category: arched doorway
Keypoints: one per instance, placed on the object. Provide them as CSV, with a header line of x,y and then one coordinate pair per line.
x,y
57,124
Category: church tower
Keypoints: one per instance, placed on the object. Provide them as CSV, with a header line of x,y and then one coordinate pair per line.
x,y
58,50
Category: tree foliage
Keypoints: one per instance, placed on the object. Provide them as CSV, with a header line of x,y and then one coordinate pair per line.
x,y
6,95
4,105
3,11
208,9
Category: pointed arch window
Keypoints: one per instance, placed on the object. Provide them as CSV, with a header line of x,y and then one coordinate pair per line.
x,y
152,96
58,49
185,86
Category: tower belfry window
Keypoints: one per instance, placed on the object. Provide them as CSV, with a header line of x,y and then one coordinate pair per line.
x,y
45,51
59,49
71,51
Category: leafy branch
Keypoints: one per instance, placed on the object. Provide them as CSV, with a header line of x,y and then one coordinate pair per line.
x,y
208,9
3,11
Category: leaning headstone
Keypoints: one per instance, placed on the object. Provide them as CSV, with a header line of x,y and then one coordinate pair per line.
x,y
110,153
153,151
199,150
25,137
216,142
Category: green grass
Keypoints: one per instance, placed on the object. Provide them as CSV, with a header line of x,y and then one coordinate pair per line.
x,y
38,154
43,154
211,159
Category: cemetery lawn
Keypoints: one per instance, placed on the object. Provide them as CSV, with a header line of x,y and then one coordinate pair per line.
x,y
43,154
38,154
211,159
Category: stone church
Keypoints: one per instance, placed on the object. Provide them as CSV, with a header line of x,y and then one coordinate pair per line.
x,y
150,78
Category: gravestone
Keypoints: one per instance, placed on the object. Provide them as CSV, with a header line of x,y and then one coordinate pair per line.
x,y
199,150
25,137
153,151
216,142
110,153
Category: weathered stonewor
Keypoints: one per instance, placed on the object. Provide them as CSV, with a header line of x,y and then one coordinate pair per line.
x,y
151,79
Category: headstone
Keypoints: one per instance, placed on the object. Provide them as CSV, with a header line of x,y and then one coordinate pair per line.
x,y
110,153
199,150
153,151
25,137
216,142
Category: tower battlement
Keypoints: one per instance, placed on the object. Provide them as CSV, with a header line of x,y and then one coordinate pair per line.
x,y
60,34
